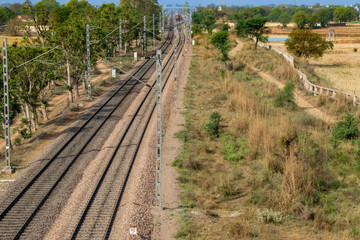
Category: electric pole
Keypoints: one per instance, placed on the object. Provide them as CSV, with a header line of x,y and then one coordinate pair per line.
x,y
88,60
6,105
158,130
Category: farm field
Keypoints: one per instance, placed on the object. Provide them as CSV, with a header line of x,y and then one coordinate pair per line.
x,y
11,39
337,68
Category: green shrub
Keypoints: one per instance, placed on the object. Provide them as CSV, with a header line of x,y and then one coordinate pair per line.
x,y
17,141
25,133
346,129
212,127
233,149
268,216
285,97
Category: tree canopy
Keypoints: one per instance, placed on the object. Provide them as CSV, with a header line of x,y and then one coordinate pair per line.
x,y
221,41
253,27
306,44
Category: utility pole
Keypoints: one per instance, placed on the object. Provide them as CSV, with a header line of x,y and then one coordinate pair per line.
x,y
88,60
120,38
144,46
154,30
6,106
158,130
175,66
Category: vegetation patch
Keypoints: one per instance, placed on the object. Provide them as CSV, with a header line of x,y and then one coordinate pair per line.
x,y
275,166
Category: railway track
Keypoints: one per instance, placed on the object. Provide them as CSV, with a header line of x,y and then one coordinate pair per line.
x,y
26,203
98,215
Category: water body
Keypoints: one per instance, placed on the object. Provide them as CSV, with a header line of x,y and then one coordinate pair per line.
x,y
277,39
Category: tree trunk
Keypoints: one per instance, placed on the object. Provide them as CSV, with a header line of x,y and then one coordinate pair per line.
x,y
256,43
69,81
84,83
43,107
44,112
27,115
76,87
34,120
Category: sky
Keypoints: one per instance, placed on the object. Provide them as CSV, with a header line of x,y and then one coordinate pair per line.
x,y
223,2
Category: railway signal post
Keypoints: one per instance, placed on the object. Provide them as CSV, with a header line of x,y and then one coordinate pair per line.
x,y
6,107
158,130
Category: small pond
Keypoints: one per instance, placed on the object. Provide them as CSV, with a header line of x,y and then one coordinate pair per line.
x,y
277,39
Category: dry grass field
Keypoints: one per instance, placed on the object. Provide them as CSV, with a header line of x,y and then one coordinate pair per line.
x,y
337,68
270,172
11,39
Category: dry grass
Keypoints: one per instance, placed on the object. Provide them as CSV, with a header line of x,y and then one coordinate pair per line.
x,y
288,164
338,67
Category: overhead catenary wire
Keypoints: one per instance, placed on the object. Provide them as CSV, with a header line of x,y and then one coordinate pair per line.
x,y
33,59
124,71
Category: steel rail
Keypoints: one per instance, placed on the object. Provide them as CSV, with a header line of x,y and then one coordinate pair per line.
x,y
117,204
28,186
102,177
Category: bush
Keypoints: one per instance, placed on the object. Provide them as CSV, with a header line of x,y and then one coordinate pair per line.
x,y
212,127
233,149
285,97
25,133
268,216
17,141
347,129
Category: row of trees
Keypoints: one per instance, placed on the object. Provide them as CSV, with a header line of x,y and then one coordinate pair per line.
x,y
62,29
309,16
302,43
324,16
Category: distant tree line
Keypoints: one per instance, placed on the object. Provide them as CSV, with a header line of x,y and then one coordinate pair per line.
x,y
309,17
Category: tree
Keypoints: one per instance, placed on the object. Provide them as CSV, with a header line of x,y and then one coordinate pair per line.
x,y
284,19
30,79
39,15
205,17
313,20
306,44
221,41
301,19
343,14
70,34
274,14
253,27
48,4
324,16
13,27
6,14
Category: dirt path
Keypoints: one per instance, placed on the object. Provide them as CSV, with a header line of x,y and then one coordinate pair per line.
x,y
171,202
300,101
